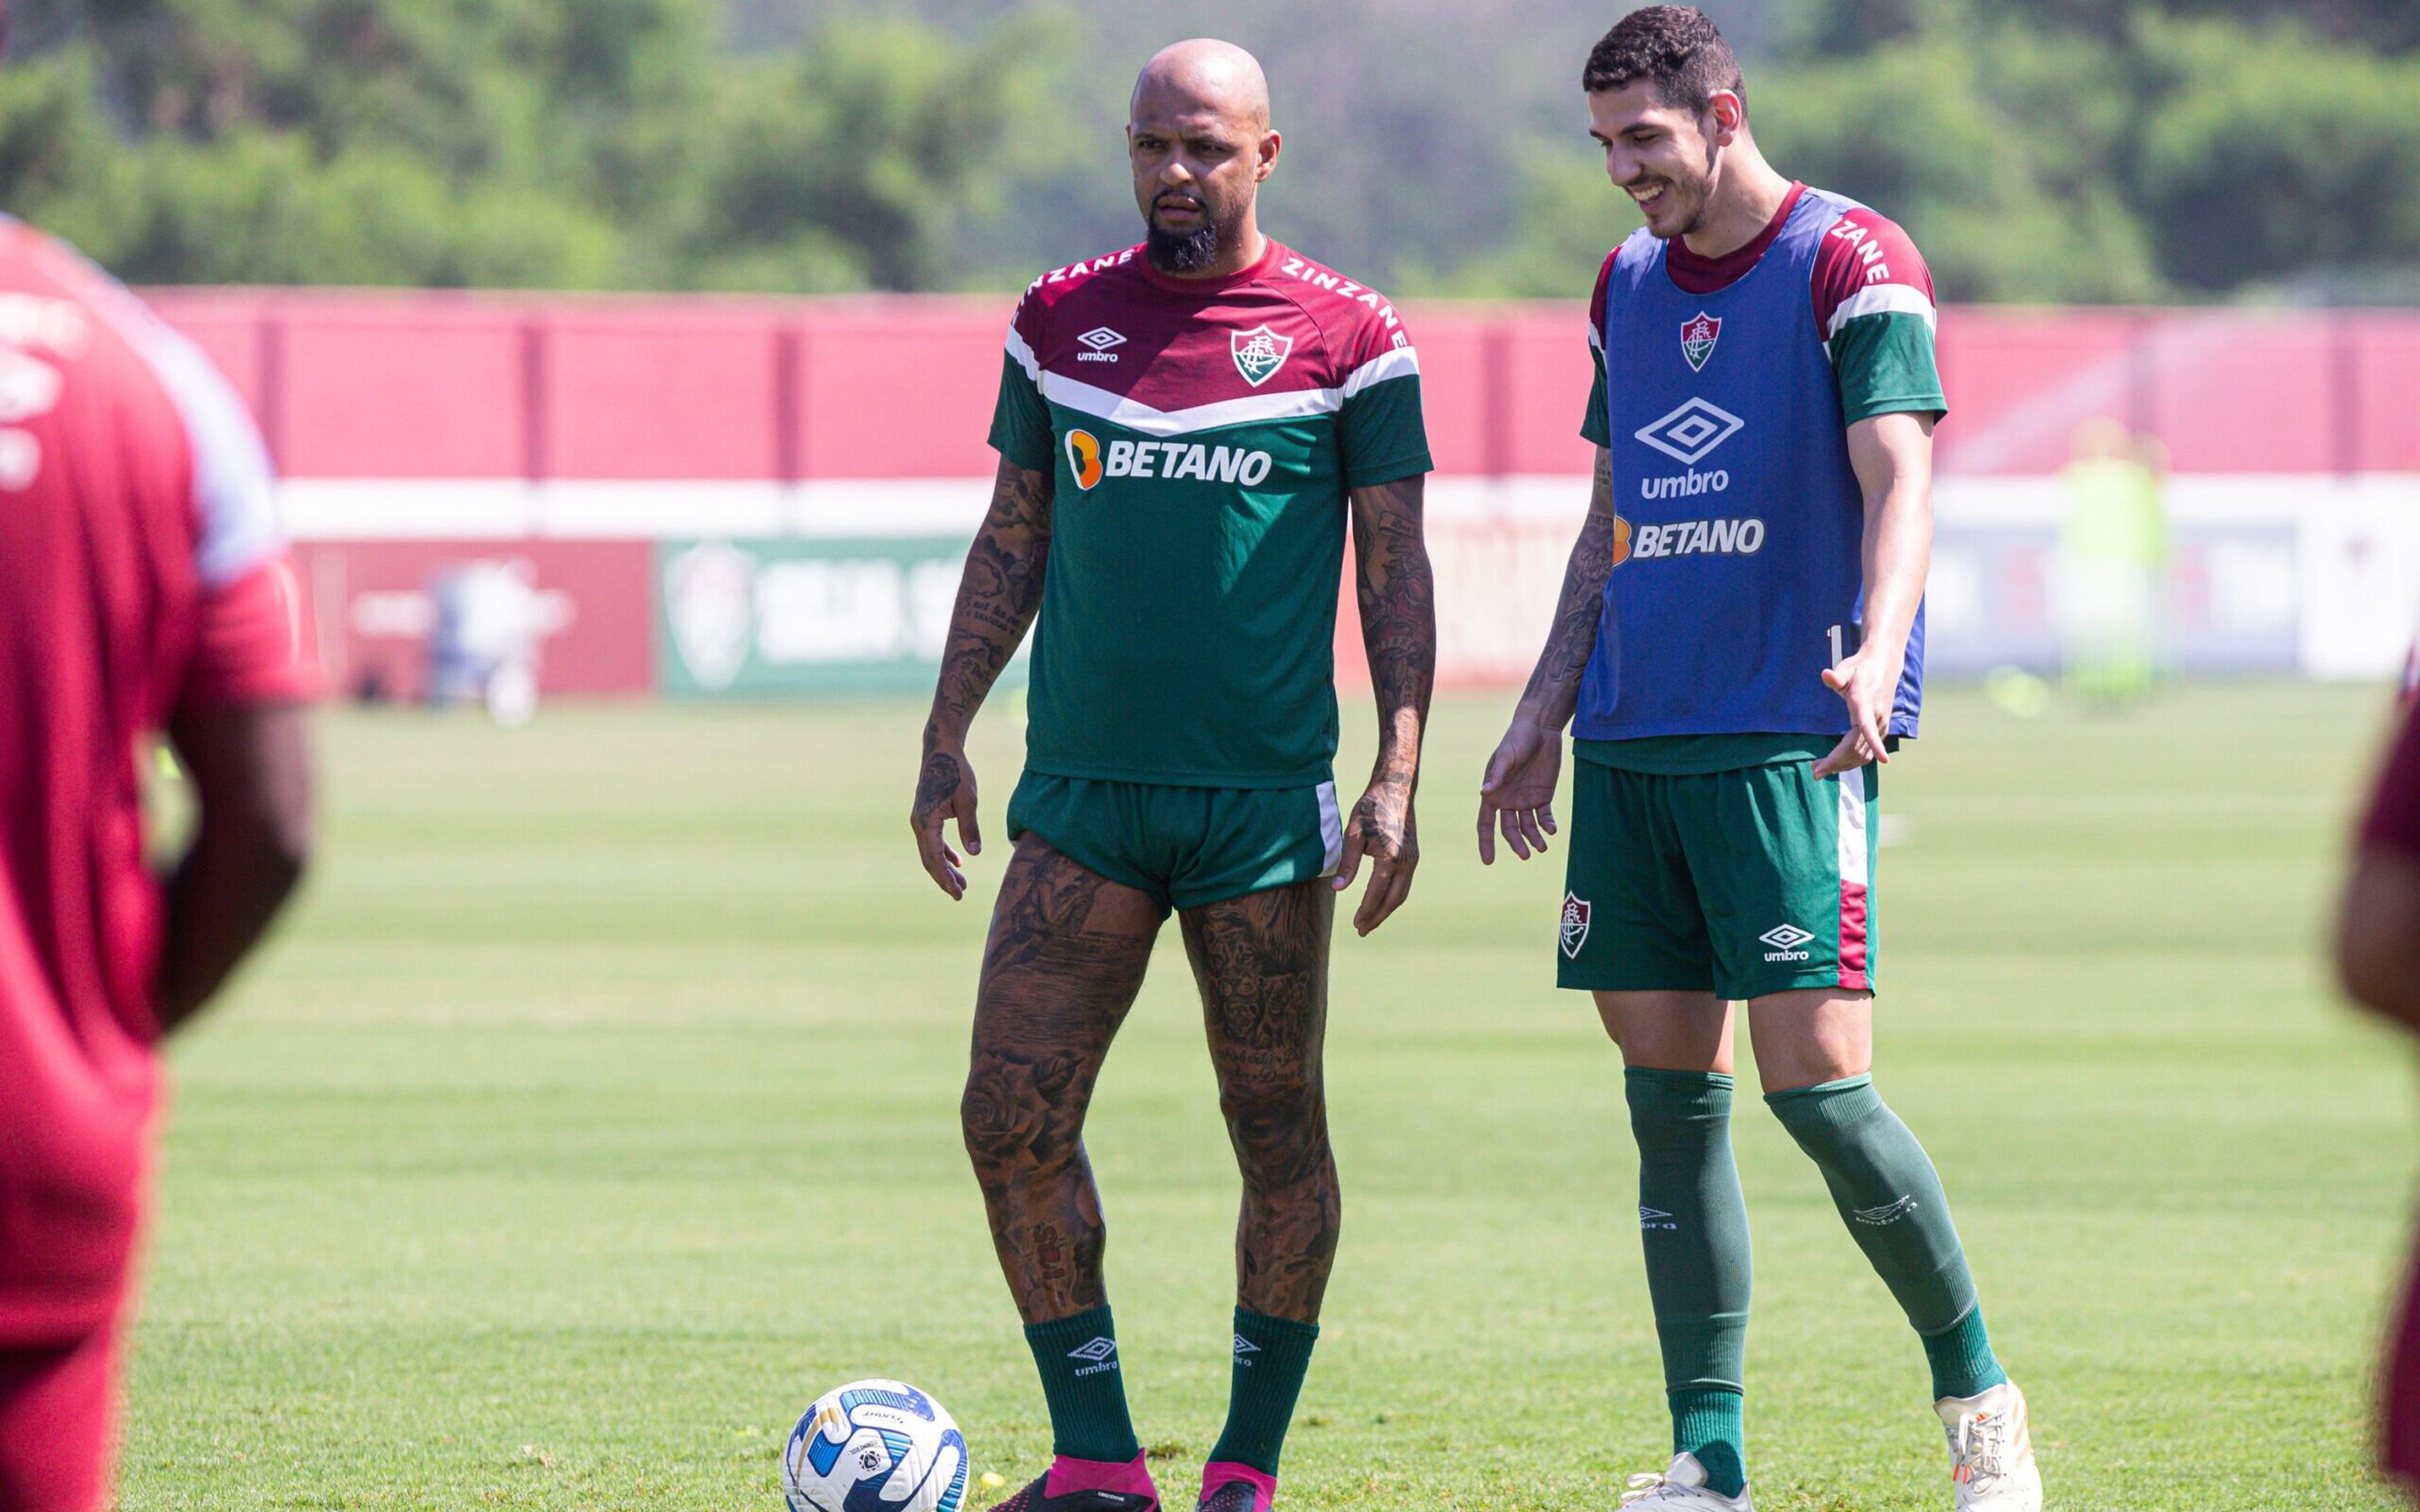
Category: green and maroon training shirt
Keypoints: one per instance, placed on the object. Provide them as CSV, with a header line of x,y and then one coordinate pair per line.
x,y
1204,434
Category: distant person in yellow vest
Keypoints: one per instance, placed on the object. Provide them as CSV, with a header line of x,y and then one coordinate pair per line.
x,y
2113,555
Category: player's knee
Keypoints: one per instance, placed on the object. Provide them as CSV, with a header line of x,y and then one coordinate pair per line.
x,y
1002,1119
988,1140
1676,1113
1278,1125
1290,1094
1656,1130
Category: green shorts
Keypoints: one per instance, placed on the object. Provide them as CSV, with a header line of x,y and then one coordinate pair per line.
x,y
1739,883
1185,847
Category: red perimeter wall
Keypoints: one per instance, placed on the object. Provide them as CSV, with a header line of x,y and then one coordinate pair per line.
x,y
430,385
397,386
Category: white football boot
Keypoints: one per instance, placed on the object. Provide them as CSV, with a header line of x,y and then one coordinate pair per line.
x,y
1991,1451
1682,1488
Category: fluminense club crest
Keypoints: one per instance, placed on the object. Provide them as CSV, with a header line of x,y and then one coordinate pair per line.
x,y
1697,334
1576,923
1259,354
710,605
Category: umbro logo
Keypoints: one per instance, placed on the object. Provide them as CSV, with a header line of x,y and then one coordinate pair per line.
x,y
1245,1347
1099,1355
1888,1214
1789,943
1100,339
1656,1218
1690,431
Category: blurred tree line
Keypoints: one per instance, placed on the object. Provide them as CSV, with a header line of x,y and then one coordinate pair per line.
x,y
2038,149
571,144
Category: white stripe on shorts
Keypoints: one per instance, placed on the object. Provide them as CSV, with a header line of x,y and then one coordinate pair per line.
x,y
1331,829
1853,827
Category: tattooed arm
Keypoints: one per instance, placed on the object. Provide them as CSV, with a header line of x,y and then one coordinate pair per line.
x,y
1517,794
997,599
1399,630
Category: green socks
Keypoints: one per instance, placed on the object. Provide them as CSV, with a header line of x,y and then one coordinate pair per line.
x,y
1708,1423
1693,1225
1961,1359
1272,1355
1079,1360
1890,1198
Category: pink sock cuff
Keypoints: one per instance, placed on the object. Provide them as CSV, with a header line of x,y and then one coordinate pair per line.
x,y
1126,1476
1219,1472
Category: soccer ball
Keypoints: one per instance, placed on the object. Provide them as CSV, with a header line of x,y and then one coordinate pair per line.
x,y
876,1446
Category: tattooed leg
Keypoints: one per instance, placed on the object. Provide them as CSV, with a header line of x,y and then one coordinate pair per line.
x,y
1062,965
1262,962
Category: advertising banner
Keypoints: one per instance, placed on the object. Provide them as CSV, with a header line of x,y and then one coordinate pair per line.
x,y
374,606
805,614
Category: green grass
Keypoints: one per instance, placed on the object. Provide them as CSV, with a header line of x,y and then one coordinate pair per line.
x,y
598,1110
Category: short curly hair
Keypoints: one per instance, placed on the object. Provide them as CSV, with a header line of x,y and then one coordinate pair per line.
x,y
1676,46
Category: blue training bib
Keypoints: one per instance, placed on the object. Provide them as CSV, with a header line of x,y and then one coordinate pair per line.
x,y
1737,574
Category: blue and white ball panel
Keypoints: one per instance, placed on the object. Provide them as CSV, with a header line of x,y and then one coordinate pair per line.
x,y
876,1446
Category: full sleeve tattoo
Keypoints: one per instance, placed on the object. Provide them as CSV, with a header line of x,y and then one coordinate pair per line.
x,y
1554,688
998,596
1398,601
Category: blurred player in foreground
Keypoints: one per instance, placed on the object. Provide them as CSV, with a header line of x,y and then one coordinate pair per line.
x,y
143,585
1741,645
2378,959
1184,429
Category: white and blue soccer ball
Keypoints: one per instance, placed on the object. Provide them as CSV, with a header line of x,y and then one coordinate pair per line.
x,y
876,1446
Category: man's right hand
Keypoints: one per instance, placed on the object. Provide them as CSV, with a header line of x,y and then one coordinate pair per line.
x,y
945,790
1517,794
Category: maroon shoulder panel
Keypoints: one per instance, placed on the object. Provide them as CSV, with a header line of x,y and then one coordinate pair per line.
x,y
1596,297
1863,248
1286,324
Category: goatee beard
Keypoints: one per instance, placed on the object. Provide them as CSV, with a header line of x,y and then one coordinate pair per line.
x,y
1186,252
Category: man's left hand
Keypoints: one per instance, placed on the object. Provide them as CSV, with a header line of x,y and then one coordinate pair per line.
x,y
1381,829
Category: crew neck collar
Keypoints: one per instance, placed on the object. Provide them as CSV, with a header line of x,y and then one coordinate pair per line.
x,y
1207,287
1703,276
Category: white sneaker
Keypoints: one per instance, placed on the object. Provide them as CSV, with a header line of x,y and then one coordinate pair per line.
x,y
1682,1488
1991,1451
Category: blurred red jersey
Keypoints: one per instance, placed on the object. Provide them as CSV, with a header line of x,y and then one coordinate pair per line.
x,y
2392,824
140,571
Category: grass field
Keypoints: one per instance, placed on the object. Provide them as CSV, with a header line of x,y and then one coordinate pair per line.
x,y
599,1109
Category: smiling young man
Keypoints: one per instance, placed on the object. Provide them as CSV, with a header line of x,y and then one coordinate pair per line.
x,y
1185,428
1741,638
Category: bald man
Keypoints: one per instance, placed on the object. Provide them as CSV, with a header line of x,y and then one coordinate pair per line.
x,y
1184,427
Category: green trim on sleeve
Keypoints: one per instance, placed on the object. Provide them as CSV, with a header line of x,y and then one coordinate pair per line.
x,y
1380,436
1020,421
1592,425
1884,364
